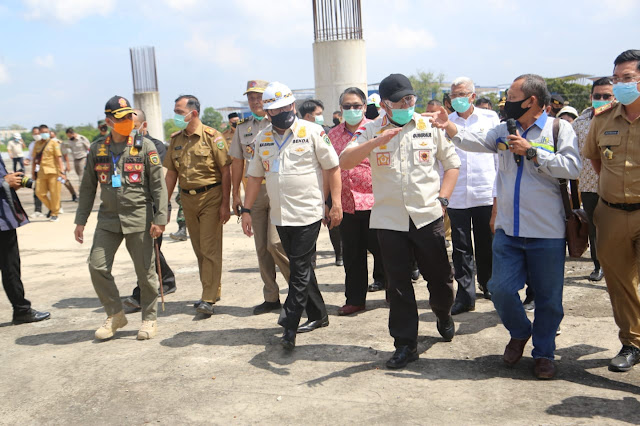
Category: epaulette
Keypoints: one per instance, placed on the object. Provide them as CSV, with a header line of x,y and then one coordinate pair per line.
x,y
209,130
242,120
604,108
174,134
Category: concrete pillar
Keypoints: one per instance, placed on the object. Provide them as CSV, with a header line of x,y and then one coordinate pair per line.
x,y
337,65
149,102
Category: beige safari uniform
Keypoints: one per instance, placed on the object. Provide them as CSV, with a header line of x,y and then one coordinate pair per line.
x,y
78,152
268,246
228,134
48,170
615,141
405,182
198,159
125,213
294,171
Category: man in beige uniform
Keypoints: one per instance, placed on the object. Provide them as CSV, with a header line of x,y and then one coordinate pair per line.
x,y
268,246
198,158
612,146
228,133
48,166
78,146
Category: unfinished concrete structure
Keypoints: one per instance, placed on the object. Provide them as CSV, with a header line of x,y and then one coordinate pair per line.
x,y
145,88
339,55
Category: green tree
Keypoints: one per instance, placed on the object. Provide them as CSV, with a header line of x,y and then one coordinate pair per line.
x,y
212,118
87,130
169,128
576,94
27,138
427,86
493,97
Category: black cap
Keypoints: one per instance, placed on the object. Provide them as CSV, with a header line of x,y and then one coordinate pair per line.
x,y
557,100
118,106
395,87
233,115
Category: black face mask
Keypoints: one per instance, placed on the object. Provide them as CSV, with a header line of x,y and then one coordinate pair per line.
x,y
284,120
372,112
234,125
514,109
336,121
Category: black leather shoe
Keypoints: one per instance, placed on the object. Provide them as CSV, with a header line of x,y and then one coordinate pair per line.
x,y
446,328
376,286
626,359
168,290
312,325
265,307
459,308
288,340
415,275
339,261
596,275
485,292
402,356
205,308
31,316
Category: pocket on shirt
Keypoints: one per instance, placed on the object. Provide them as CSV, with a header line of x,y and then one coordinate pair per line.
x,y
300,160
133,173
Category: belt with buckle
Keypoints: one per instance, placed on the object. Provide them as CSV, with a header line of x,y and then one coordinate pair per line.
x,y
625,207
201,189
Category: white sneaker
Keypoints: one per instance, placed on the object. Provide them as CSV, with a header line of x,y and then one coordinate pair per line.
x,y
148,329
110,326
61,210
37,214
53,219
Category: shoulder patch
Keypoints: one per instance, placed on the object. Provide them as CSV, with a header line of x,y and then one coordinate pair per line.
x,y
209,130
220,145
174,134
154,158
605,108
326,139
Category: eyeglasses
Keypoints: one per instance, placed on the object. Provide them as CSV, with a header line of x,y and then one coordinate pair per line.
x,y
352,106
605,96
409,100
459,95
629,78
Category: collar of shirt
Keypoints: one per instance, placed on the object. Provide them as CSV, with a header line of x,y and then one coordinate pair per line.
x,y
540,122
198,132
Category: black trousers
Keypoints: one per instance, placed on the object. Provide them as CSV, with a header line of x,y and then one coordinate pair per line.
x,y
357,238
168,277
299,243
428,245
10,266
16,161
463,250
589,202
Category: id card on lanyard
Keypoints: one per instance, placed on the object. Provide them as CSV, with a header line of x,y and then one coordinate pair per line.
x,y
116,179
275,164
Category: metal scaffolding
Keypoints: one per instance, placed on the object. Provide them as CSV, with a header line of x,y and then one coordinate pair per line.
x,y
337,20
143,69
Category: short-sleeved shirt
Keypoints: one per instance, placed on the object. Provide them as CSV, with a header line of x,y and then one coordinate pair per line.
x,y
357,190
292,165
243,142
406,182
50,154
198,158
77,149
612,133
477,170
15,148
588,176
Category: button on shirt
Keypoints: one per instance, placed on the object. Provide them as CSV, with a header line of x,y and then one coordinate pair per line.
x,y
620,172
243,143
406,182
293,171
477,170
529,200
357,192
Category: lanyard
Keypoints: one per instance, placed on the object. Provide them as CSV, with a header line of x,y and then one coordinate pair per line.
x,y
280,145
115,160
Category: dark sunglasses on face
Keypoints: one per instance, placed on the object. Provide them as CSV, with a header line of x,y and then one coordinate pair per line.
x,y
355,106
603,96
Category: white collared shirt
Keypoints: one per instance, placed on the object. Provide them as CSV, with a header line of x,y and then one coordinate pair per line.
x,y
477,170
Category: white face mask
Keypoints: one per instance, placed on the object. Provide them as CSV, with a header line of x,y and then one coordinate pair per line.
x,y
37,138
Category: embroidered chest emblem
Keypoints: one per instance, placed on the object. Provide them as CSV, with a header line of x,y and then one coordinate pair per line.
x,y
383,158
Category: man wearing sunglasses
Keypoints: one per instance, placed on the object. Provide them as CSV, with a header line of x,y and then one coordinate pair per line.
x,y
611,146
410,201
601,95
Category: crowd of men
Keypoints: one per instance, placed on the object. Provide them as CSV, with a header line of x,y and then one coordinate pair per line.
x,y
384,180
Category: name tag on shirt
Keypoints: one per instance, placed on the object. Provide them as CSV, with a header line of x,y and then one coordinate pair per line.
x,y
116,181
275,165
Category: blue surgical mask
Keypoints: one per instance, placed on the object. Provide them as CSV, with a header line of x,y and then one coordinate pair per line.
x,y
352,116
598,104
179,121
402,116
45,136
460,104
319,119
626,93
257,117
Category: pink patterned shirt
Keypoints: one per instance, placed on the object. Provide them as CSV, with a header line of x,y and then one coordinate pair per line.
x,y
357,192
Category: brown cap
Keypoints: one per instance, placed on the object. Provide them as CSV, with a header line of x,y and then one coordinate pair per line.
x,y
256,86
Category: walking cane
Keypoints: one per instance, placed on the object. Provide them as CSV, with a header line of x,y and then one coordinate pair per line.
x,y
157,246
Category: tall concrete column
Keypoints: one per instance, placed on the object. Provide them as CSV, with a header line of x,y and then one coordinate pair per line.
x,y
339,55
145,88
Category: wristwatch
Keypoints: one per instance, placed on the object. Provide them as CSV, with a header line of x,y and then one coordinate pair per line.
x,y
443,201
531,153
243,210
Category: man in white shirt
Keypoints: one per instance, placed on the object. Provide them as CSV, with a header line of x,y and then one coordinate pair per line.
x,y
472,199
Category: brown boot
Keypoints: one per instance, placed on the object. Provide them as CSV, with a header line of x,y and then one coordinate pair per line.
x,y
513,351
544,369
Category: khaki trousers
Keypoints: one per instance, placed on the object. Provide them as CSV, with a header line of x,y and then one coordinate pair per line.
x,y
78,165
140,248
618,245
268,247
49,184
202,214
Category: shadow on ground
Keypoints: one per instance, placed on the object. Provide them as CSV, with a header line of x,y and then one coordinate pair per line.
x,y
624,410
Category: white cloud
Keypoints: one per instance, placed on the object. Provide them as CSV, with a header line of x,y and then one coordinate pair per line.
x,y
67,11
400,37
223,51
181,4
45,61
4,74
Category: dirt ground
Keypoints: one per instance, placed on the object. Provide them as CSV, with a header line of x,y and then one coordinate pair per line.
x,y
230,369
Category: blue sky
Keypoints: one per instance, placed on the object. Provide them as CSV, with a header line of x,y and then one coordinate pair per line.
x,y
60,60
